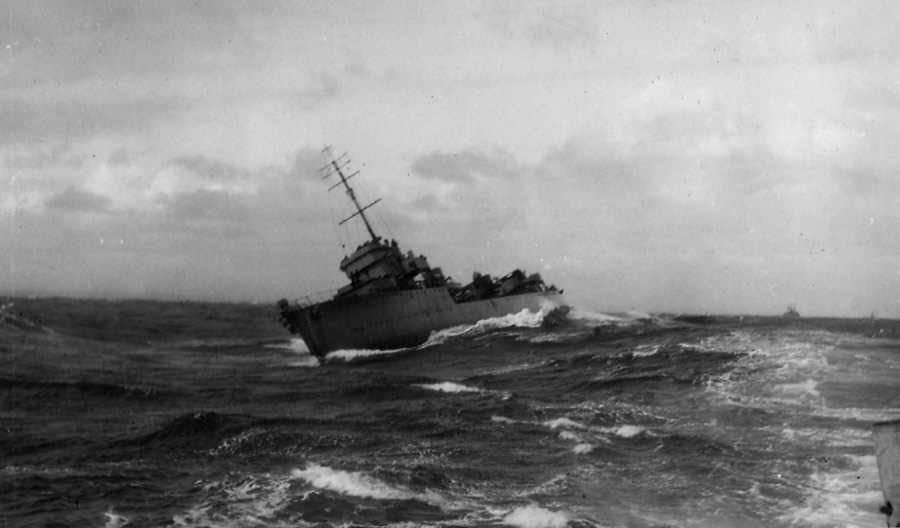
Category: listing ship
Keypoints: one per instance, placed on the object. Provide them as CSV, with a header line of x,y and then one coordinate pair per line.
x,y
396,300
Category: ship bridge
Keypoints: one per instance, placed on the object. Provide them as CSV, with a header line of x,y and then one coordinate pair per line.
x,y
380,266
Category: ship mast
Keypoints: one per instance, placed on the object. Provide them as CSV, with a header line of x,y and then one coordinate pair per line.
x,y
359,210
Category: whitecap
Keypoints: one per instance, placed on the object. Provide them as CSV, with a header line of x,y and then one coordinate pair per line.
x,y
308,361
645,351
807,388
347,355
298,345
522,319
583,448
578,314
114,520
448,386
352,483
839,497
569,435
628,431
259,498
533,516
564,422
638,315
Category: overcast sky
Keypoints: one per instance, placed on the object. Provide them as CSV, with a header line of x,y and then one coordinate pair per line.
x,y
704,157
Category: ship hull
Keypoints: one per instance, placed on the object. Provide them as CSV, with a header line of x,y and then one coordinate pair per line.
x,y
385,321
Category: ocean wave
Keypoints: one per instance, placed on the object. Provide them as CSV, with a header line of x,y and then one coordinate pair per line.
x,y
587,316
773,373
523,319
582,448
364,485
626,431
564,422
751,424
316,495
199,430
21,321
222,342
606,383
354,483
261,500
585,437
88,388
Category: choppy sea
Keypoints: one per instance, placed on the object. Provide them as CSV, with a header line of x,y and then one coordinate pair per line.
x,y
144,413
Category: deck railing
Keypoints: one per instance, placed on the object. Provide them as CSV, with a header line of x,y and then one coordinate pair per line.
x,y
315,298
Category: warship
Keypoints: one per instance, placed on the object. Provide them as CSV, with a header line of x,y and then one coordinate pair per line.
x,y
791,312
396,300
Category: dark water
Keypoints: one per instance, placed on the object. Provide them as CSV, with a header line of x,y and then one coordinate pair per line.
x,y
188,414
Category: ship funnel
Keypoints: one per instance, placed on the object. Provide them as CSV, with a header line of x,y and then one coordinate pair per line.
x,y
887,453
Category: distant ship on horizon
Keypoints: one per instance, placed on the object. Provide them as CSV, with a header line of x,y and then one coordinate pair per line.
x,y
791,312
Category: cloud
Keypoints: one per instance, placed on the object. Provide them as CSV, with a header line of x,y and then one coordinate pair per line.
x,y
101,38
38,156
558,26
46,118
427,204
206,169
464,167
182,227
561,27
204,204
322,88
638,148
79,200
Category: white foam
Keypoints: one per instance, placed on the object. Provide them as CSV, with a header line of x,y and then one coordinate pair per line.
x,y
114,520
564,422
502,420
569,435
583,448
803,388
258,499
624,431
352,483
353,354
577,314
298,345
645,351
628,431
305,362
533,516
523,319
638,315
845,498
439,337
448,386
781,370
234,443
